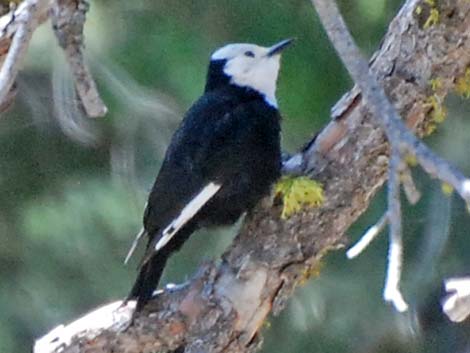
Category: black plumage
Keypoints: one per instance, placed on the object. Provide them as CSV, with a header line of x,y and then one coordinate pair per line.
x,y
231,137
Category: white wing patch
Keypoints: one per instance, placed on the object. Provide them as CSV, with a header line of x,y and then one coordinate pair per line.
x,y
188,212
134,244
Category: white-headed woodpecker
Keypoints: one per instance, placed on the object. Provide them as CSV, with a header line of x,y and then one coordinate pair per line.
x,y
222,160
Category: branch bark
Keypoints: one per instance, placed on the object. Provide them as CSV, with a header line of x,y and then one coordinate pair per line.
x,y
17,28
68,19
223,307
401,139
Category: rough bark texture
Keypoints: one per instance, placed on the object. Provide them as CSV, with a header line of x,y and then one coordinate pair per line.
x,y
223,307
68,21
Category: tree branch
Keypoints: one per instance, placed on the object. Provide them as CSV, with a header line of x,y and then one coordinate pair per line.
x,y
68,20
23,21
223,307
402,142
16,30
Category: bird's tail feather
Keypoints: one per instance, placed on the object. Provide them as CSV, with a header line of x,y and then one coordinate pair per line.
x,y
147,280
152,266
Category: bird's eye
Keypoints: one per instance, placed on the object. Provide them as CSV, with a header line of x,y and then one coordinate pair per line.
x,y
250,54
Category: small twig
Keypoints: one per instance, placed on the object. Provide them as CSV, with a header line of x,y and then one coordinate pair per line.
x,y
412,193
27,21
392,283
367,238
68,19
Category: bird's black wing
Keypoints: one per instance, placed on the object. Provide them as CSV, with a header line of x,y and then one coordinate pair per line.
x,y
211,145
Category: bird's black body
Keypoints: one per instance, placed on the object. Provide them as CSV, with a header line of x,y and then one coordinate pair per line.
x,y
230,136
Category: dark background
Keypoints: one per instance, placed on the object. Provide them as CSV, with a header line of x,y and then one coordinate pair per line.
x,y
72,189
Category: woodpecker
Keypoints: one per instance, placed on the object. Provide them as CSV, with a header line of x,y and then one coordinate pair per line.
x,y
222,159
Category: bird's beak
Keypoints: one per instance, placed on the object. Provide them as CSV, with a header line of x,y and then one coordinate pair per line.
x,y
278,47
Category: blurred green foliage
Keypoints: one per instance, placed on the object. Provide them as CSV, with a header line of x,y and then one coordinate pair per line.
x,y
72,189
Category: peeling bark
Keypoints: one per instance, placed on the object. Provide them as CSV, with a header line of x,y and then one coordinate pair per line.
x,y
223,307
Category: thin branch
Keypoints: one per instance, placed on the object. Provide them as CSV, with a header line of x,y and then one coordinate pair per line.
x,y
16,29
367,238
68,19
412,193
27,18
392,283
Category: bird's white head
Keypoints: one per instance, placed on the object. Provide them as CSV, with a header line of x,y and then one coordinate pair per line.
x,y
253,66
